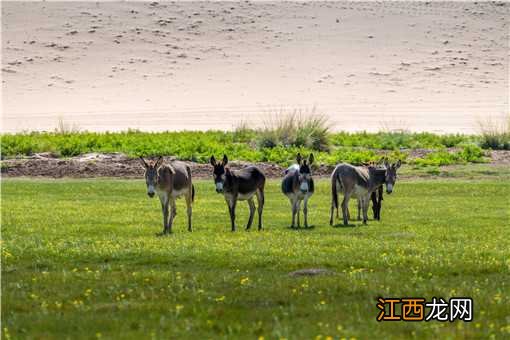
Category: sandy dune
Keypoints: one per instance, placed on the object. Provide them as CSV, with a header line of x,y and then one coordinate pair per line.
x,y
435,66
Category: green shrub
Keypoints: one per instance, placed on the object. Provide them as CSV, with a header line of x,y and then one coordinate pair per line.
x,y
471,153
468,153
280,146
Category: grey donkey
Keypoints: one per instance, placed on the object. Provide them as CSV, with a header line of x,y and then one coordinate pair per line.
x,y
360,182
170,181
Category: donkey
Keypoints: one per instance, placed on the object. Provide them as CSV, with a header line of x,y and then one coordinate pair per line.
x,y
240,185
298,186
376,197
360,182
169,181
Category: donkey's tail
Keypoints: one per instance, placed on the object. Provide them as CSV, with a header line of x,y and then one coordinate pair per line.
x,y
188,170
334,192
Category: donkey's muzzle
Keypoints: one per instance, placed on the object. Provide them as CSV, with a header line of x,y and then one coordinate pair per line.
x,y
219,187
389,189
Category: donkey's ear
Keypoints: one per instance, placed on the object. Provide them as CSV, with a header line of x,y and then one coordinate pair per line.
x,y
212,160
386,164
299,158
144,163
310,159
159,162
225,159
398,164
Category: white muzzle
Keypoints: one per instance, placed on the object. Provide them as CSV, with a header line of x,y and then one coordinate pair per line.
x,y
219,186
304,186
389,188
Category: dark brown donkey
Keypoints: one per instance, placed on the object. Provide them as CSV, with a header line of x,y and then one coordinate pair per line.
x,y
170,181
239,185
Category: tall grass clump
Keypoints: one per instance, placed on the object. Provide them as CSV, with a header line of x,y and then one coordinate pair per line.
x,y
296,129
66,128
494,135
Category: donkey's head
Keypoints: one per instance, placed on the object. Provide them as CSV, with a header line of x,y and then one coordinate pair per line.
x,y
391,175
151,174
219,172
305,173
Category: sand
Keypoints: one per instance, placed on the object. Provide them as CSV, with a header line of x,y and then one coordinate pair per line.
x,y
435,66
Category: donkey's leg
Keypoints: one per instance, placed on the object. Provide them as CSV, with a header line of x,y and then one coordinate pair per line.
x,y
260,208
232,205
364,204
334,202
229,208
173,213
293,203
298,212
305,210
251,205
345,208
379,202
189,209
332,212
373,198
163,198
360,203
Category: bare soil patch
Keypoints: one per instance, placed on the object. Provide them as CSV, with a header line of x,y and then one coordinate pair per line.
x,y
93,165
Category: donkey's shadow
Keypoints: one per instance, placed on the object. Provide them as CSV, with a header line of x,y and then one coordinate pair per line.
x,y
341,225
309,228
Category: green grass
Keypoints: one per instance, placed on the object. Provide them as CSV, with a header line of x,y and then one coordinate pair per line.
x,y
278,146
80,260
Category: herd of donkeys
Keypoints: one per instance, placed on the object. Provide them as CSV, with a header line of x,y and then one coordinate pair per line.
x,y
172,180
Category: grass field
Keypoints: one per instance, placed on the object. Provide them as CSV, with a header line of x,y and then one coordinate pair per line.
x,y
80,260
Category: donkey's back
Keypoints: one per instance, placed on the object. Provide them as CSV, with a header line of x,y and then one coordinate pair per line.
x,y
249,179
175,177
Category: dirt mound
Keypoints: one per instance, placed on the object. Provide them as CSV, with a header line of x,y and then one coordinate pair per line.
x,y
311,272
119,165
114,165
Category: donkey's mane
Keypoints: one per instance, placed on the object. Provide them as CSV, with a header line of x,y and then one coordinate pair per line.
x,y
379,174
